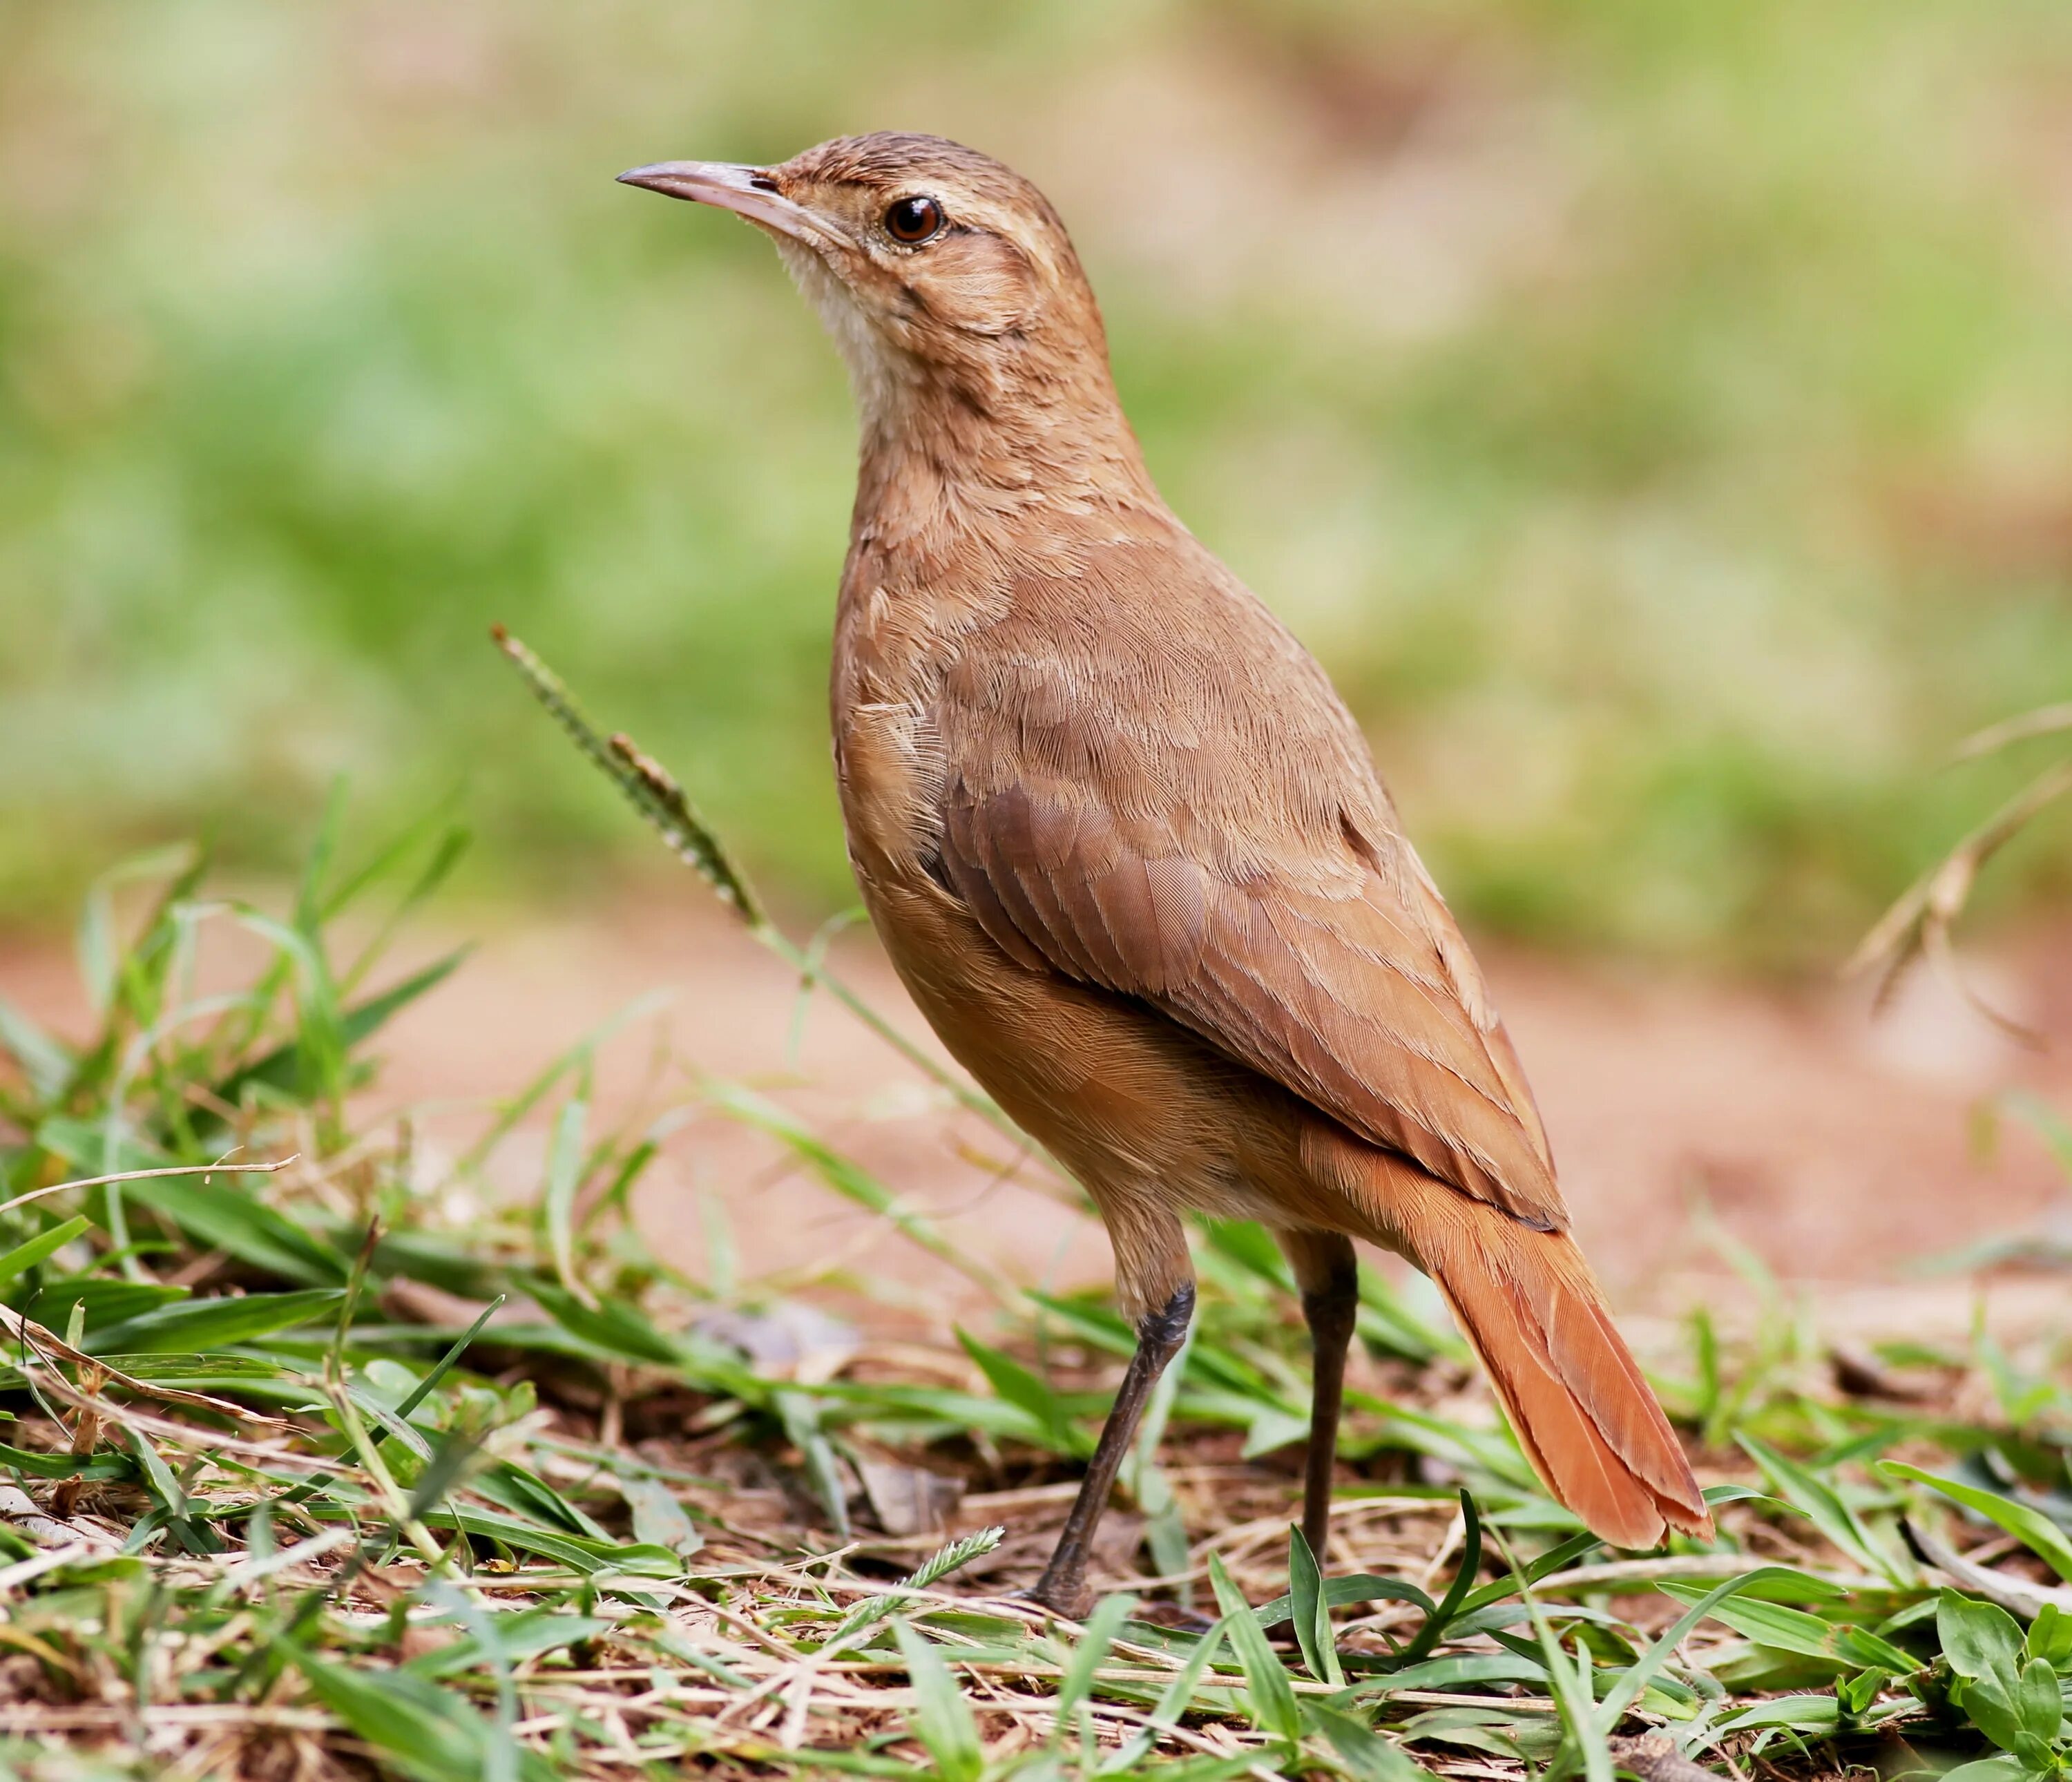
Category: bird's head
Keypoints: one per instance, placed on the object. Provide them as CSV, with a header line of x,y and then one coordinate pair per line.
x,y
935,267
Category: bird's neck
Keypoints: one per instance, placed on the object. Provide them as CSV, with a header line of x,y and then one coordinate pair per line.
x,y
991,427
938,452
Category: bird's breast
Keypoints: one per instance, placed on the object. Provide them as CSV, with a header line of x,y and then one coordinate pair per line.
x,y
897,635
889,762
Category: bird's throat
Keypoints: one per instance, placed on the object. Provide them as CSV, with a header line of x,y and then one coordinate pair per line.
x,y
1002,428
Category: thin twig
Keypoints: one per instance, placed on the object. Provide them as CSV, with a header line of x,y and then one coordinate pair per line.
x,y
145,1175
1920,923
2045,721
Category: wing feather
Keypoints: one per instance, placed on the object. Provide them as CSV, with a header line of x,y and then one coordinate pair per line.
x,y
1126,819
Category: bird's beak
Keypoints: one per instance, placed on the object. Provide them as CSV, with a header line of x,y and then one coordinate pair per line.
x,y
749,191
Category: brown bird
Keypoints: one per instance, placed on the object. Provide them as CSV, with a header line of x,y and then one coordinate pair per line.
x,y
1128,851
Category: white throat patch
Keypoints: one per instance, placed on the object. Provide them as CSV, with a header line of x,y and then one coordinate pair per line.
x,y
878,371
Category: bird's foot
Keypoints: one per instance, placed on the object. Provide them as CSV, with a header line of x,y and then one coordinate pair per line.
x,y
1067,1597
1074,1602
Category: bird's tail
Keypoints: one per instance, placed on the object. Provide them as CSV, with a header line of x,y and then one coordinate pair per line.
x,y
1586,1420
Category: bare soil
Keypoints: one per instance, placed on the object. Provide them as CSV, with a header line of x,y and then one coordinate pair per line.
x,y
1838,1147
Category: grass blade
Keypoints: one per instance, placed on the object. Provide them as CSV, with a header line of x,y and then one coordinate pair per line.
x,y
854,1183
2035,1530
195,1325
1178,1696
1571,1684
1102,1626
1310,1613
565,1161
1370,1757
1456,1600
1634,1679
1820,1502
42,1247
1266,1683
943,1721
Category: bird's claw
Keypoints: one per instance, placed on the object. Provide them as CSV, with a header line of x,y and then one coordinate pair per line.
x,y
1071,1605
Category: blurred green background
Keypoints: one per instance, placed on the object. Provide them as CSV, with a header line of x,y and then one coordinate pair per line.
x,y
1658,414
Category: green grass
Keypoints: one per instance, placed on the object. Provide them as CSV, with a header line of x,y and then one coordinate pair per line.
x,y
332,1457
1655,416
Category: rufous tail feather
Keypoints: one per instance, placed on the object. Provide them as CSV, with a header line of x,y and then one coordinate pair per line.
x,y
1586,1420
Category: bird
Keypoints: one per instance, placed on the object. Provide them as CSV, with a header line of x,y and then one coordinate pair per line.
x,y
1128,851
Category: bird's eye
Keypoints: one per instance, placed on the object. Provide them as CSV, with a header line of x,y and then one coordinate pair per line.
x,y
914,220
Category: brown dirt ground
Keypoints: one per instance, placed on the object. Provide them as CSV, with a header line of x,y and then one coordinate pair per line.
x,y
1834,1145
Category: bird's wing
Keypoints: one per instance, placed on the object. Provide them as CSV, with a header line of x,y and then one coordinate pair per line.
x,y
1184,814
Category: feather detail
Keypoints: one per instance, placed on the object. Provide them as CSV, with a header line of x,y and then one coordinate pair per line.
x,y
1586,1419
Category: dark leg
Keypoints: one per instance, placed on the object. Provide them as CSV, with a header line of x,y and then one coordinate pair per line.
x,y
1159,1336
1328,1273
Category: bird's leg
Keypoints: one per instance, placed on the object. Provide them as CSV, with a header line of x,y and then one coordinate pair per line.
x,y
1328,1273
1159,1336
